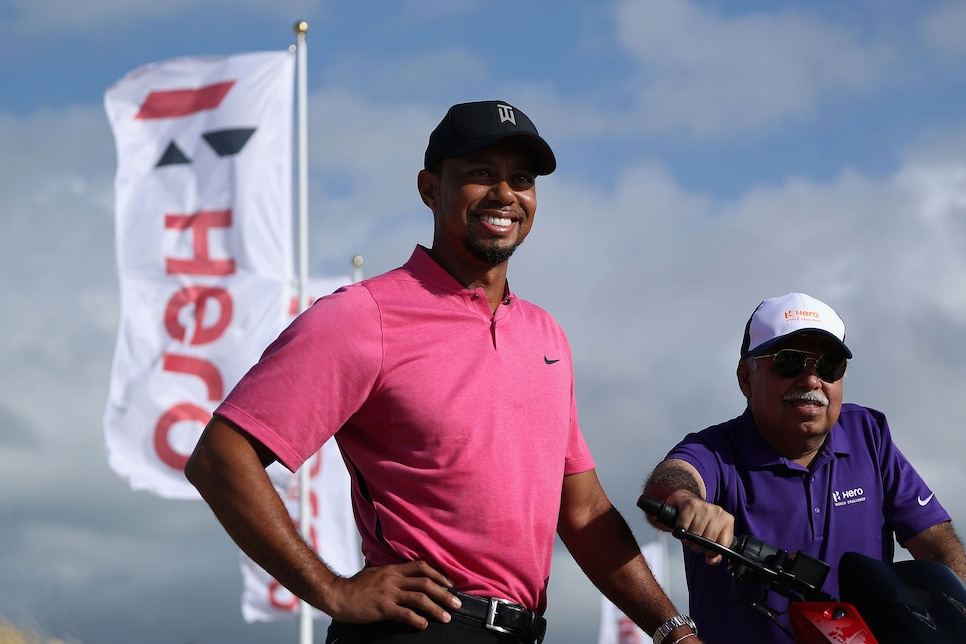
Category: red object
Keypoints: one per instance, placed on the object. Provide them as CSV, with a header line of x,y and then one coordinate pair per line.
x,y
825,622
164,104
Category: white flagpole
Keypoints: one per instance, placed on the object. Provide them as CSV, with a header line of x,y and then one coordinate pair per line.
x,y
357,262
305,523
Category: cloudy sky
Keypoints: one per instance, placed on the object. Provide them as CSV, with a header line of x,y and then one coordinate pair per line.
x,y
709,157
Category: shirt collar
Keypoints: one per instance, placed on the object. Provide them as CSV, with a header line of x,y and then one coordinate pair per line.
x,y
422,265
758,454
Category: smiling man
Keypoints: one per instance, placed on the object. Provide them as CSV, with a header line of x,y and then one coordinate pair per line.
x,y
798,469
452,401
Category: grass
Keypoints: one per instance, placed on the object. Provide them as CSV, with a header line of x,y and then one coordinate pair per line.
x,y
10,634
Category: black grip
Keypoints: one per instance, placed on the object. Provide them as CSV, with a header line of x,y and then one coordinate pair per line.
x,y
667,515
662,512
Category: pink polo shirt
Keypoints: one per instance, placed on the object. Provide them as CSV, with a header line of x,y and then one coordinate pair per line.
x,y
457,424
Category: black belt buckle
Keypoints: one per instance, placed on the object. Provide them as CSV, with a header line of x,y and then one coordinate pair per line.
x,y
536,630
491,615
503,616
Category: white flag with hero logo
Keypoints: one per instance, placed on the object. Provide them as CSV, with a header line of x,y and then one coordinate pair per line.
x,y
203,215
332,533
615,626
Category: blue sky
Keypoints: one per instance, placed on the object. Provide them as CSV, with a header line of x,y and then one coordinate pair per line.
x,y
710,155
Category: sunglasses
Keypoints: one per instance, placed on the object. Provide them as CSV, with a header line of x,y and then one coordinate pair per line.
x,y
790,363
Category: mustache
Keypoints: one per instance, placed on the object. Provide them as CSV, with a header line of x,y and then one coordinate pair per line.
x,y
806,396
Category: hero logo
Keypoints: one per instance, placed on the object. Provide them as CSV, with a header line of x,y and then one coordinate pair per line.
x,y
794,315
848,497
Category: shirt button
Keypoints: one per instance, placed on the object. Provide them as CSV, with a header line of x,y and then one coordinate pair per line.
x,y
817,511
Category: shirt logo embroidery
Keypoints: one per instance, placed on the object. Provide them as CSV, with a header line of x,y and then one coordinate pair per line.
x,y
924,501
506,114
848,497
549,361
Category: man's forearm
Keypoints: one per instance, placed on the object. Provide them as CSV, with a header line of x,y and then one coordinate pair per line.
x,y
940,543
605,548
230,475
609,555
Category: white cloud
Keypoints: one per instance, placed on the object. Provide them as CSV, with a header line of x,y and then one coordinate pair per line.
x,y
654,285
652,279
31,18
943,27
710,74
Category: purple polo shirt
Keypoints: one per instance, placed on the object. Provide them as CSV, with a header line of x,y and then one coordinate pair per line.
x,y
859,491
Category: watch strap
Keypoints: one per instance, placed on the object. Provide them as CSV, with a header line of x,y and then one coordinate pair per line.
x,y
678,620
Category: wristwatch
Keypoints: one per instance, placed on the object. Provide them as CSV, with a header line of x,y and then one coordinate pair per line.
x,y
671,624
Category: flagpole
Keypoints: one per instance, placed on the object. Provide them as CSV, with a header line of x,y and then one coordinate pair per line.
x,y
305,524
357,262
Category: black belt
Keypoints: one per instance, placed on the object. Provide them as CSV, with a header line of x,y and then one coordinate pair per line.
x,y
502,616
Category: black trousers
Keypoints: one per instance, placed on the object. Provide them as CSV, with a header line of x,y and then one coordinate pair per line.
x,y
458,631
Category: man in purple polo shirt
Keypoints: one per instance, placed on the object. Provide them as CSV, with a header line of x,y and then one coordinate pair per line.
x,y
798,470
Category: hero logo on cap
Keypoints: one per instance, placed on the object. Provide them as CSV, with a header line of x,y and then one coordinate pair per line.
x,y
779,317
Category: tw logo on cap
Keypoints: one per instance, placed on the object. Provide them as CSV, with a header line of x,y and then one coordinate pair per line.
x,y
506,114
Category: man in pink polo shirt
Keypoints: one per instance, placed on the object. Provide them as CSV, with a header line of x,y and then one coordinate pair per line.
x,y
452,401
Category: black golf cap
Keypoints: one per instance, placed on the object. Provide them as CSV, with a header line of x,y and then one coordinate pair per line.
x,y
468,127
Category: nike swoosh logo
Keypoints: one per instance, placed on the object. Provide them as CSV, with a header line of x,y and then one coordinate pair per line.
x,y
549,361
923,501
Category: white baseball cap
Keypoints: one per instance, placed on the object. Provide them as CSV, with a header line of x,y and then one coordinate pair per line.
x,y
778,318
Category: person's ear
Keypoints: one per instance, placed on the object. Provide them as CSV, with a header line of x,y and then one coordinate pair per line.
x,y
428,185
744,377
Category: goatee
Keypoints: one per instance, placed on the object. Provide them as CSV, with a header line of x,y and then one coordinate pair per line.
x,y
489,254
